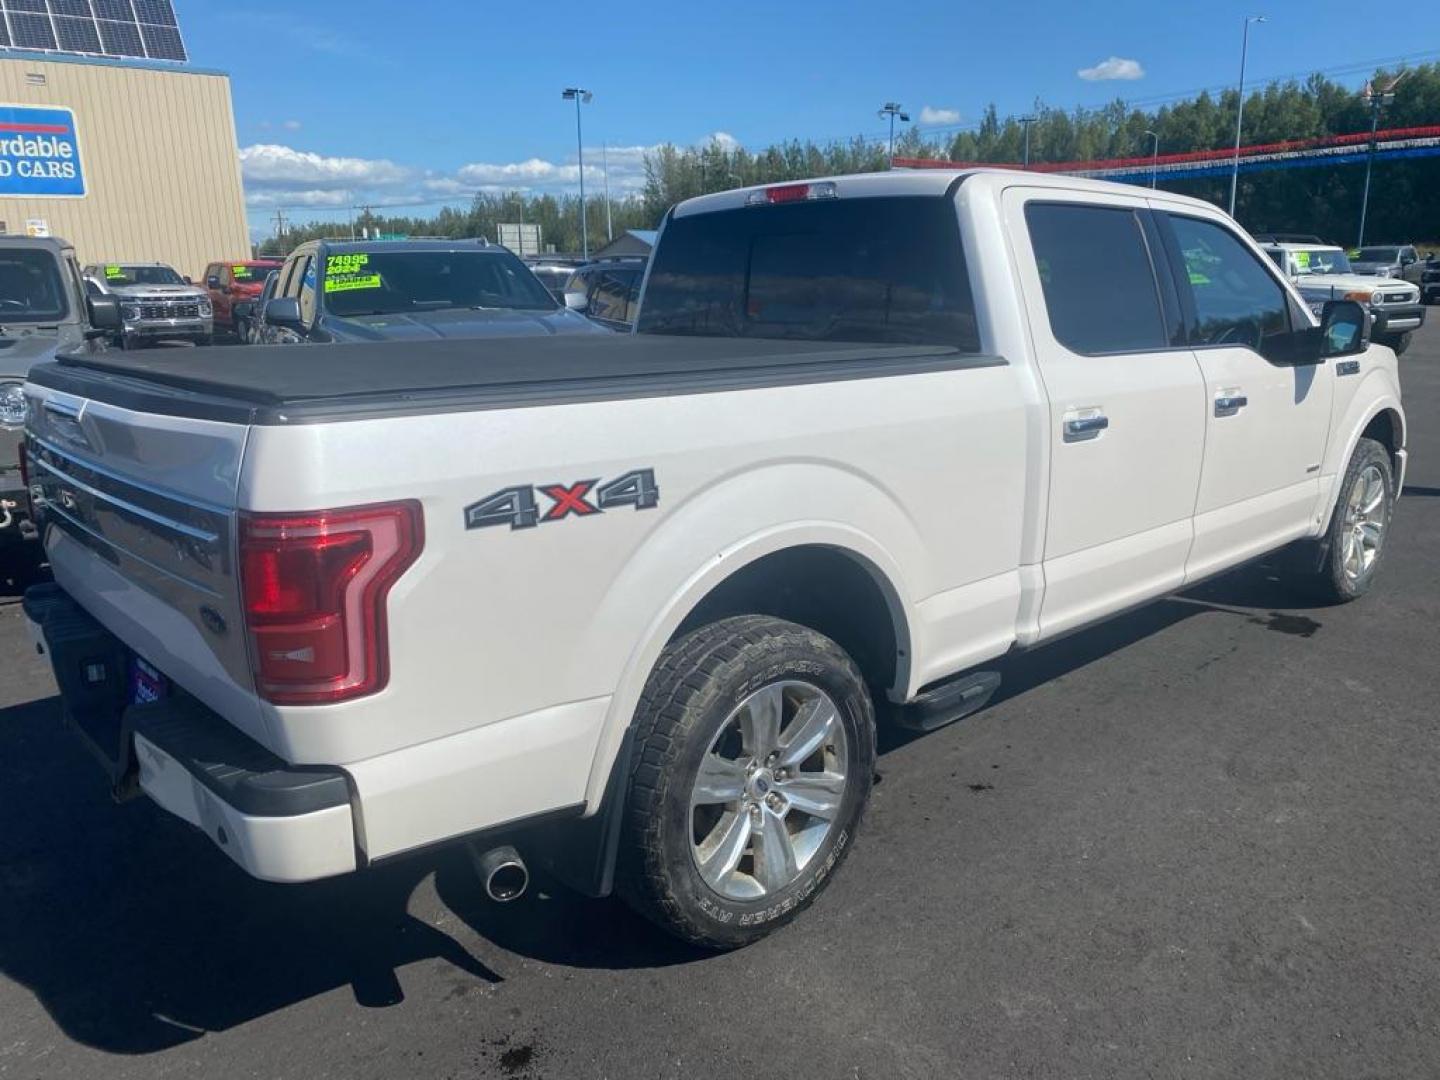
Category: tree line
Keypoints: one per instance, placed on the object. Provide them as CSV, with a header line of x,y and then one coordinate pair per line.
x,y
1404,201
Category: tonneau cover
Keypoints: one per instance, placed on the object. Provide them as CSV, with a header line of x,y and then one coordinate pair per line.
x,y
310,383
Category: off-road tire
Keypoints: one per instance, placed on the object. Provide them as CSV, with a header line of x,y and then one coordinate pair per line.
x,y
699,680
1330,582
1398,342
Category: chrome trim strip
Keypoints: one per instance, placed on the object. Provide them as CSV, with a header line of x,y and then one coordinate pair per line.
x,y
189,583
164,493
128,507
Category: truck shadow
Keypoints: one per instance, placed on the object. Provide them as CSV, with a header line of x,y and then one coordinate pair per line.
x,y
135,934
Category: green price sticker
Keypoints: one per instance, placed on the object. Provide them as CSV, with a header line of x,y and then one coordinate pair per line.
x,y
1302,260
114,271
350,282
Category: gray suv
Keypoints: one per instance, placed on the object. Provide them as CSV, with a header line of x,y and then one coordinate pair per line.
x,y
410,290
43,311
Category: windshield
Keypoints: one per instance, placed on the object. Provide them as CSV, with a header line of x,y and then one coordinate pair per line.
x,y
874,269
1376,255
1321,261
31,289
121,276
251,275
391,282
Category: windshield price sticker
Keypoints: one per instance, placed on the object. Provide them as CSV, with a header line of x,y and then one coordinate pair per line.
x,y
351,281
1302,260
114,272
240,271
346,264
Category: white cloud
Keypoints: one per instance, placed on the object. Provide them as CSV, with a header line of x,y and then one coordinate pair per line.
x,y
291,125
931,115
1116,67
268,166
727,142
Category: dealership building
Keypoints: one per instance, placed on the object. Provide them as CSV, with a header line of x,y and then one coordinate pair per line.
x,y
111,141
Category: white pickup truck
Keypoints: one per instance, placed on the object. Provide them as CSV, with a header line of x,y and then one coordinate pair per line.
x,y
628,607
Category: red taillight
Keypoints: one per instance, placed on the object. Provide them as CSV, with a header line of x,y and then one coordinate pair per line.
x,y
314,588
788,193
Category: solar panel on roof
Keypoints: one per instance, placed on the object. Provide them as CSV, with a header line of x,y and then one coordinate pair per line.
x,y
144,29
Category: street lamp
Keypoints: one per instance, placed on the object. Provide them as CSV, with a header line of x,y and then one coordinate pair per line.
x,y
1240,109
1154,156
893,109
577,95
1378,99
1027,121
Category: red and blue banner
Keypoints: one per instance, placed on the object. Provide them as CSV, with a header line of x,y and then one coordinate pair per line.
x,y
39,153
1394,144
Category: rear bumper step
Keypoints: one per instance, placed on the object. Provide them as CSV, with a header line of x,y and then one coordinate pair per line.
x,y
277,821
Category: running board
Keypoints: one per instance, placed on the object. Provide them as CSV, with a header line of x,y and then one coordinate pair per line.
x,y
948,702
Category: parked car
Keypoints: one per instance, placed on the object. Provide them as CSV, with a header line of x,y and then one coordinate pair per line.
x,y
245,313
626,605
1388,260
607,291
1430,279
43,310
553,275
229,283
1323,272
156,303
409,290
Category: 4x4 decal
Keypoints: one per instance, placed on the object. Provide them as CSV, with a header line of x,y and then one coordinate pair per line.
x,y
519,508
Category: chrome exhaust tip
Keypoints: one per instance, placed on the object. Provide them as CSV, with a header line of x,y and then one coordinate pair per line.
x,y
503,873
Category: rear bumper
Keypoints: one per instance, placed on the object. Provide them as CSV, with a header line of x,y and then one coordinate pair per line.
x,y
278,822
1399,318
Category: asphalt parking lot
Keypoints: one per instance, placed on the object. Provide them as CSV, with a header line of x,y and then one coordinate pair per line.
x,y
1199,841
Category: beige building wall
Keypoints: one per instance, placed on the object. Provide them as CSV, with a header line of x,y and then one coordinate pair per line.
x,y
158,150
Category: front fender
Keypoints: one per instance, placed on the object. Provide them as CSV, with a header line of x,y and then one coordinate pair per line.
x,y
730,524
1378,392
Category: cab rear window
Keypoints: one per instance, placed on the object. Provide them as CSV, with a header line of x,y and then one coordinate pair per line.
x,y
888,270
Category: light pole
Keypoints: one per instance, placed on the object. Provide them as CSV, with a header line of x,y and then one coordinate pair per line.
x,y
1240,109
1154,156
605,173
1378,100
1027,121
577,95
892,109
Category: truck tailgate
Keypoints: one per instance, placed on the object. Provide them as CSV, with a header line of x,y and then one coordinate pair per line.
x,y
144,509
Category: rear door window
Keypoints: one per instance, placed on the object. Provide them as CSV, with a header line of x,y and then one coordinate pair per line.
x,y
1101,292
888,269
614,293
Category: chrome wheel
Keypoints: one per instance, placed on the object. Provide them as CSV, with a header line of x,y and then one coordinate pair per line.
x,y
1365,518
768,790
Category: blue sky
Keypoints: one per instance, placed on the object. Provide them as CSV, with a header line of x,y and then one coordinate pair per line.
x,y
364,101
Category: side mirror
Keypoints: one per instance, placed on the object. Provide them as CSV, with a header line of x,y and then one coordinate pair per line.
x,y
187,280
1344,329
284,312
576,301
104,313
212,282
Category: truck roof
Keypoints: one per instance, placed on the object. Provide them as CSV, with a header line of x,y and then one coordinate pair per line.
x,y
479,243
280,384
928,182
47,243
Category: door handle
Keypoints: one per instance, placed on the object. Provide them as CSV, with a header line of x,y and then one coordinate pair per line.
x,y
1079,428
1229,404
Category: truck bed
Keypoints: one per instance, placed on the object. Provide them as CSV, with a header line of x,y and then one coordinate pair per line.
x,y
289,384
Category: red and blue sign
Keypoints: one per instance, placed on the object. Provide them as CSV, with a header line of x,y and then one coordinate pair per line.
x,y
39,153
